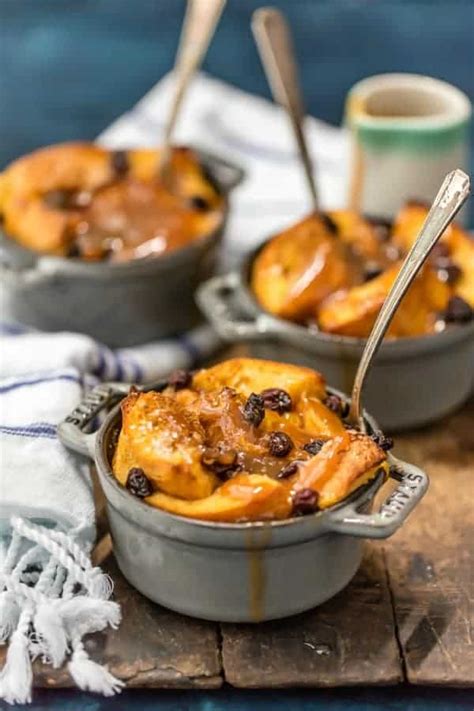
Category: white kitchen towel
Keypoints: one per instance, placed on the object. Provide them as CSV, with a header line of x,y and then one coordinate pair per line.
x,y
50,594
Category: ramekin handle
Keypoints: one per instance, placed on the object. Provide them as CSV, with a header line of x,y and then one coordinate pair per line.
x,y
71,430
412,485
23,277
218,298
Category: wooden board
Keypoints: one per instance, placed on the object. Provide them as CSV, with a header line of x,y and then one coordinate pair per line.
x,y
431,559
328,646
407,615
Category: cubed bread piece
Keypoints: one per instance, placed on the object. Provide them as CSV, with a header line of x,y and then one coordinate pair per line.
x,y
166,441
340,463
353,312
251,375
298,268
357,232
246,497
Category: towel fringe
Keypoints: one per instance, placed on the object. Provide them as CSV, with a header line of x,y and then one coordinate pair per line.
x,y
51,634
47,614
90,676
9,615
16,678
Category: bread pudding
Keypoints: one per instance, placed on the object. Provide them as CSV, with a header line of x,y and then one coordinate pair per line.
x,y
81,200
244,440
332,271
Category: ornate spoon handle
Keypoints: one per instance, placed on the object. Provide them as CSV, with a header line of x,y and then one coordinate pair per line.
x,y
274,42
450,198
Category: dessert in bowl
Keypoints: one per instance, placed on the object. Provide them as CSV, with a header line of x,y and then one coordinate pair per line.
x,y
240,492
226,445
333,271
311,294
121,247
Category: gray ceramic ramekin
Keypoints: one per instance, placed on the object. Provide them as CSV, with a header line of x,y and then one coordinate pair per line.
x,y
247,572
412,382
117,304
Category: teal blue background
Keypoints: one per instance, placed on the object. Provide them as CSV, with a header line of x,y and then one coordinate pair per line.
x,y
69,67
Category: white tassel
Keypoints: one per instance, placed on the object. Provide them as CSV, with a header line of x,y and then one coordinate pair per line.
x,y
83,615
90,676
99,584
9,615
49,628
16,678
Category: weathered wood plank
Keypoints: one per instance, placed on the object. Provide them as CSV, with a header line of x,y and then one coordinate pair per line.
x,y
348,640
431,559
153,647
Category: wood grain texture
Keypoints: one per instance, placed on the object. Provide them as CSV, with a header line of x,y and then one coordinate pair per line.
x,y
431,559
348,640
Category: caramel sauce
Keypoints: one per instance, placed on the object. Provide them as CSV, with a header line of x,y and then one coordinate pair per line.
x,y
257,575
323,467
132,219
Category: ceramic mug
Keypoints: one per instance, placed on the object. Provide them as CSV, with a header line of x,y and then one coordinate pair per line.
x,y
408,131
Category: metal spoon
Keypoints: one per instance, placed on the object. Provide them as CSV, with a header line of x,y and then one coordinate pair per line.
x,y
198,28
273,37
450,198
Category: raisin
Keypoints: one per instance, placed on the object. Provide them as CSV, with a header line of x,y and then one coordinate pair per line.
x,y
314,446
279,444
372,270
337,405
447,271
276,399
222,462
138,484
382,440
73,250
458,311
329,223
57,199
305,501
199,203
119,162
440,250
288,470
180,379
381,227
393,252
253,410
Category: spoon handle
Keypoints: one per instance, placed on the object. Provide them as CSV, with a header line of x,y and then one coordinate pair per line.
x,y
273,38
450,198
198,29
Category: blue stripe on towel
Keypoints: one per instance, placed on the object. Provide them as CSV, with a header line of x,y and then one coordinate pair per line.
x,y
34,430
13,329
191,349
38,381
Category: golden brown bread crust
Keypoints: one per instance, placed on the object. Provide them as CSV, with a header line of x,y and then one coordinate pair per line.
x,y
87,167
340,463
205,458
459,243
353,312
298,268
339,278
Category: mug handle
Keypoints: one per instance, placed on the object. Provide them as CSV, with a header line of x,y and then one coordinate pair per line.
x,y
71,430
412,485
